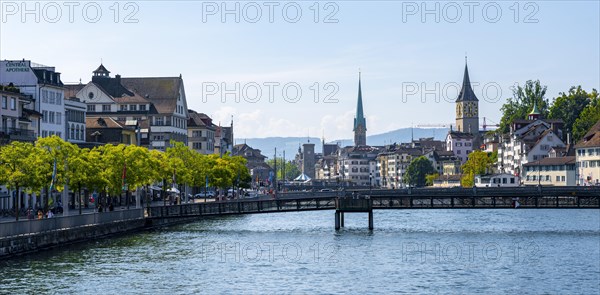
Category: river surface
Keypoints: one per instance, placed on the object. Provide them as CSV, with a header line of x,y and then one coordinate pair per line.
x,y
541,251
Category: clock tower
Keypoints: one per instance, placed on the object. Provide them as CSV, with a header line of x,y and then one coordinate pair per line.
x,y
467,109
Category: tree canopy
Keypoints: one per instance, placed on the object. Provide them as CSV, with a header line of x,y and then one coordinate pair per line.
x,y
521,104
568,106
588,116
417,171
479,162
113,168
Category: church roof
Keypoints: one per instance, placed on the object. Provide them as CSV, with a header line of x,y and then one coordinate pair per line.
x,y
360,118
535,110
101,70
466,93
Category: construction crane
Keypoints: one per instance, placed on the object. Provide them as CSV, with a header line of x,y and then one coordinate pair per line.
x,y
485,125
434,125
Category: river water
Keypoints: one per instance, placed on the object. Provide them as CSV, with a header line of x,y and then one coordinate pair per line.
x,y
409,251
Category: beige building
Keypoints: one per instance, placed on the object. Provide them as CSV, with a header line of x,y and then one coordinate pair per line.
x,y
550,172
445,181
201,133
587,152
393,165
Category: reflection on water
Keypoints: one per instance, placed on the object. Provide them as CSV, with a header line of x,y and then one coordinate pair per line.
x,y
412,251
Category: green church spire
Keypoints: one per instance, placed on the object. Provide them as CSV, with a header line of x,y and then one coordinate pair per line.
x,y
360,124
360,117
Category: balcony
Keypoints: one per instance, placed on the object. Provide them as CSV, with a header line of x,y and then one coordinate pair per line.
x,y
18,134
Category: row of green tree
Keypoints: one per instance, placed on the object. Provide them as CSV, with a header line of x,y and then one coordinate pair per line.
x,y
578,109
52,163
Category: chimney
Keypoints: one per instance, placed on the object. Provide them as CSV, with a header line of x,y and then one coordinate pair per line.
x,y
568,138
118,77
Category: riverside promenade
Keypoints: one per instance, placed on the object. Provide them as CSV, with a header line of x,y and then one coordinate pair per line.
x,y
27,235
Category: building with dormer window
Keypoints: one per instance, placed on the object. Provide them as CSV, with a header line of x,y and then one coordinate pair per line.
x,y
157,105
46,89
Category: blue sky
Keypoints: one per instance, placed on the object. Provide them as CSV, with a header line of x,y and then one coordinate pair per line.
x,y
405,56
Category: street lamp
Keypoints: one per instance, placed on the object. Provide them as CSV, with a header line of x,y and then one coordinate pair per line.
x,y
370,182
539,172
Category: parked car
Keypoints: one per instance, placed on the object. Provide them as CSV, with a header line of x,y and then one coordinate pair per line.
x,y
208,194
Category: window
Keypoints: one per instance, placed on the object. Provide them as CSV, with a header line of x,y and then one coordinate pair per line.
x,y
106,108
512,180
81,130
58,118
142,107
44,133
13,103
557,178
59,134
4,102
133,107
77,132
547,177
44,117
51,118
91,107
534,178
158,121
123,107
562,178
45,96
197,145
72,132
458,152
59,98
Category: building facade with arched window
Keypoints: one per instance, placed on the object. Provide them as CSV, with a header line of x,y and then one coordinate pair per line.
x,y
75,112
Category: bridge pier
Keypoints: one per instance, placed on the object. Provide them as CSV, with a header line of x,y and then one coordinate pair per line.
x,y
343,205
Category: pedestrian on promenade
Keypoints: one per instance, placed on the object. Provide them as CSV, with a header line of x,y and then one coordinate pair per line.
x,y
40,214
49,214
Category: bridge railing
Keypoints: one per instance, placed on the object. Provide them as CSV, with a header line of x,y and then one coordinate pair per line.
x,y
33,226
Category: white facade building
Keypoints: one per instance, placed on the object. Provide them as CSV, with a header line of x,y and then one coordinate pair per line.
x,y
587,153
358,165
460,143
75,111
528,141
44,85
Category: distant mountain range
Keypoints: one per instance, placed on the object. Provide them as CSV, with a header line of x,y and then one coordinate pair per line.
x,y
290,144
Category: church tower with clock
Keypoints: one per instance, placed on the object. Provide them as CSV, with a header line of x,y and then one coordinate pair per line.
x,y
467,109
